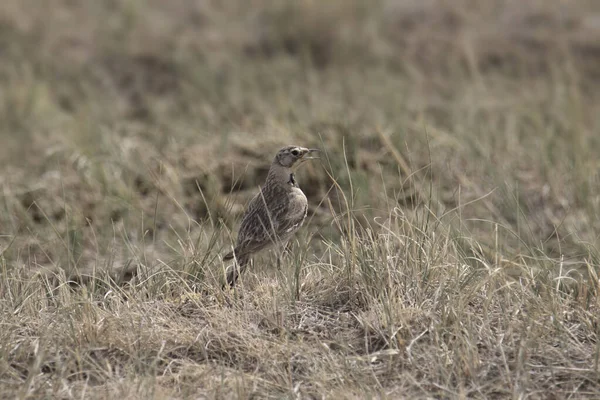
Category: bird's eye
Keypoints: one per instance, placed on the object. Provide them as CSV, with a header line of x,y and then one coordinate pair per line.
x,y
295,152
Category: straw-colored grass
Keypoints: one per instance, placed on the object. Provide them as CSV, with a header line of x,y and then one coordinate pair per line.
x,y
451,249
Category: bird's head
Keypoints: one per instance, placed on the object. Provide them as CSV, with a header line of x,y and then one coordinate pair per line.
x,y
292,156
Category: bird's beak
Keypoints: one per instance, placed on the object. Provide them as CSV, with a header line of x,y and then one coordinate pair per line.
x,y
307,155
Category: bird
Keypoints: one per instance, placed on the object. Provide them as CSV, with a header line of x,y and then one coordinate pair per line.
x,y
274,214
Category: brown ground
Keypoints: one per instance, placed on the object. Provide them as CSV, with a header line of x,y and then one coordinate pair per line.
x,y
453,247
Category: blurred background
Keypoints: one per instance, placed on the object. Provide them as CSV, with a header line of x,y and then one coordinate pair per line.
x,y
126,120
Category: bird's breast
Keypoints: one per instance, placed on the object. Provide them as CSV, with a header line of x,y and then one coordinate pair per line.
x,y
298,203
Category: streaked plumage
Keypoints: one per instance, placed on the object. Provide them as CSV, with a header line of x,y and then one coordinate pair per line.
x,y
276,212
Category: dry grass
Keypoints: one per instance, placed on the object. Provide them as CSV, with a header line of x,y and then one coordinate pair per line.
x,y
453,244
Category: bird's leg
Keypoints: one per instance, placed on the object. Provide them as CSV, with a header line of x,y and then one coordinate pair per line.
x,y
285,250
234,270
232,274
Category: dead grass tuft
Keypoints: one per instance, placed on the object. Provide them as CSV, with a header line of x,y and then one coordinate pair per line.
x,y
452,244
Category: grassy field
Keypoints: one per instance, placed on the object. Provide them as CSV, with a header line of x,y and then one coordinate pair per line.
x,y
452,248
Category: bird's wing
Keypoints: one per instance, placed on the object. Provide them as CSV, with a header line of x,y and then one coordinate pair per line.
x,y
267,219
292,221
259,227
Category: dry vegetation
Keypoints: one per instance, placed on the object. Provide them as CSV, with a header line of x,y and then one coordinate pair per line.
x,y
453,247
